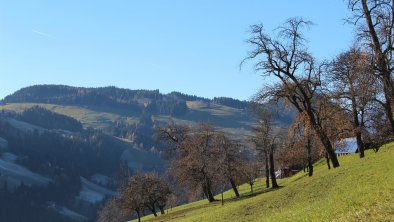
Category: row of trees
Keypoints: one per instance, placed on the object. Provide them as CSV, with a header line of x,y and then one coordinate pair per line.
x,y
350,96
201,160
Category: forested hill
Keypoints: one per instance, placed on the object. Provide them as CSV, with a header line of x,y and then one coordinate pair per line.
x,y
75,137
222,111
137,101
133,114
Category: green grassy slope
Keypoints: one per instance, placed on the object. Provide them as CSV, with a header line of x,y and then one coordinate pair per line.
x,y
89,117
231,120
359,190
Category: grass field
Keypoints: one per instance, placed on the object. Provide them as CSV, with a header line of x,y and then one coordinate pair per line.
x,y
359,190
89,116
233,121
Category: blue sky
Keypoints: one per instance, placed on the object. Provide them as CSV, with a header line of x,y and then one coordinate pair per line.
x,y
194,47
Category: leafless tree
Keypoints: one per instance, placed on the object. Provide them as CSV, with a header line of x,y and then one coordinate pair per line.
x,y
251,171
375,24
156,192
131,199
173,135
229,161
203,159
303,146
266,140
193,161
353,87
111,212
286,57
172,201
142,191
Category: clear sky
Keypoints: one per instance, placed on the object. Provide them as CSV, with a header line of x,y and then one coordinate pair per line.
x,y
191,46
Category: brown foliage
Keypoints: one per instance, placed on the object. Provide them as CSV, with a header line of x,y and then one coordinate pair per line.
x,y
140,192
203,160
111,212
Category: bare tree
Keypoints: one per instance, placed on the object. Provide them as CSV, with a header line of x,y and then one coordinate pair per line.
x,y
172,201
375,22
304,147
193,163
131,199
266,141
251,171
353,84
229,160
111,212
286,58
156,192
203,158
143,191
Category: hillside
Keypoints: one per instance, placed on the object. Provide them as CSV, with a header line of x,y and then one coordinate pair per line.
x,y
71,136
120,112
330,195
64,170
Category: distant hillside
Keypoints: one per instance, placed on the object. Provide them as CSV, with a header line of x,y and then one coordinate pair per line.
x,y
78,138
132,114
60,167
134,101
42,117
130,101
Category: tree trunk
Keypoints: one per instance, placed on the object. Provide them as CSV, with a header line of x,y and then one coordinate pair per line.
x,y
208,193
234,186
267,172
139,215
222,198
153,210
328,161
251,187
161,207
388,87
272,169
360,144
323,137
310,167
204,190
310,164
327,145
388,108
357,125
211,198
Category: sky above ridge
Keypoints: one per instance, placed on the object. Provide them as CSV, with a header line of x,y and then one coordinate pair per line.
x,y
194,47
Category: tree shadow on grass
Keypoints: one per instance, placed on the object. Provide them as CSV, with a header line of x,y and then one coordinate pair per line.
x,y
305,175
251,195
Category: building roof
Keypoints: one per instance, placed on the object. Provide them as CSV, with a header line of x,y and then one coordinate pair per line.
x,y
348,145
